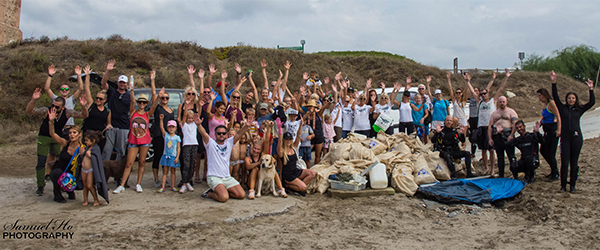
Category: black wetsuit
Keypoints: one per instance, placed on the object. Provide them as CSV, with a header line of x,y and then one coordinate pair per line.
x,y
447,143
528,144
571,137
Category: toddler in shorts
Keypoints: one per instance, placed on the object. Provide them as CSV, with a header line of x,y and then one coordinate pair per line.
x,y
328,132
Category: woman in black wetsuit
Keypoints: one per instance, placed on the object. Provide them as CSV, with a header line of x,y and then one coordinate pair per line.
x,y
64,159
293,177
571,137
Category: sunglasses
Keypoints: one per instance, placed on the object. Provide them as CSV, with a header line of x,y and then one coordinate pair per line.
x,y
363,99
165,98
458,92
64,89
421,88
206,92
221,133
142,102
56,107
384,98
99,98
235,97
483,93
192,93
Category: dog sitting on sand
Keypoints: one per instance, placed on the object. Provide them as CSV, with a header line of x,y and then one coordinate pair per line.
x,y
115,169
267,174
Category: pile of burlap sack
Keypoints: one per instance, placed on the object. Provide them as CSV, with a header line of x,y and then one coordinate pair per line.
x,y
407,159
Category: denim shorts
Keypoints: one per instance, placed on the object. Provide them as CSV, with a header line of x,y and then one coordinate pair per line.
x,y
139,146
305,153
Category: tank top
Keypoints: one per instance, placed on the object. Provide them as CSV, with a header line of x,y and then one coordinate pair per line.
x,y
212,124
317,126
138,129
64,158
473,109
290,167
328,131
167,117
547,116
96,119
485,112
59,124
459,110
405,112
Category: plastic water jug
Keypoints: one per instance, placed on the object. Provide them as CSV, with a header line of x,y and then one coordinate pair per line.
x,y
378,177
383,122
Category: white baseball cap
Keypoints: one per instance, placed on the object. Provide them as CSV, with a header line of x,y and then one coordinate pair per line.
x,y
437,91
123,78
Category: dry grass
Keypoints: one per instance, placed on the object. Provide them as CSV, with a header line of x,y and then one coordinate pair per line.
x,y
24,66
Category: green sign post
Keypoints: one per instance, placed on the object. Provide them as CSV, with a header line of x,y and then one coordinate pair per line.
x,y
300,48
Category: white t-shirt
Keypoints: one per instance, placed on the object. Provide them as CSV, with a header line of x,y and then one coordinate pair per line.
x,y
485,112
405,112
189,131
385,109
334,113
218,157
310,83
459,110
69,104
361,117
348,118
281,95
292,127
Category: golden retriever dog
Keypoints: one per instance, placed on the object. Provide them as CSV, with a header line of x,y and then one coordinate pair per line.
x,y
267,174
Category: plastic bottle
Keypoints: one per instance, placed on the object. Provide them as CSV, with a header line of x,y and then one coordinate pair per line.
x,y
378,177
131,82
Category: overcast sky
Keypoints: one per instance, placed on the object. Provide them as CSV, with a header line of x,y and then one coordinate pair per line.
x,y
483,34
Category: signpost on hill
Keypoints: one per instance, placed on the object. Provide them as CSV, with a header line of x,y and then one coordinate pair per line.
x,y
300,48
521,57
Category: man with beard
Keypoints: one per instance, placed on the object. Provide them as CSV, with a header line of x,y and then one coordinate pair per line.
x,y
502,129
528,144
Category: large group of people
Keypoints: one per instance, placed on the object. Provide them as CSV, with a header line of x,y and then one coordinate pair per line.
x,y
232,129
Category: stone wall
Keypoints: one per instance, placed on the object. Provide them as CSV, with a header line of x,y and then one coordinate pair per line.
x,y
10,16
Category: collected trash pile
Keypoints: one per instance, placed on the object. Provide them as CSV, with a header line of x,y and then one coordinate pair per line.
x,y
407,160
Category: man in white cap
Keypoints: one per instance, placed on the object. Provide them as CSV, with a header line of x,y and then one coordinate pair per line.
x,y
118,102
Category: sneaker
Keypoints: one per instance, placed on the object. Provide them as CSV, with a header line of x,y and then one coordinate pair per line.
x,y
138,188
183,189
47,177
553,178
174,189
60,199
39,191
472,156
189,187
208,191
573,190
157,184
119,190
161,190
251,194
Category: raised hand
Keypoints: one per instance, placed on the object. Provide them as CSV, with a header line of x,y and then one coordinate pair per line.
x,y
553,76
280,75
197,119
507,73
201,73
368,85
468,77
234,113
408,80
161,116
397,86
162,91
305,76
590,83
302,89
87,70
356,95
238,68
536,127
77,70
494,75
287,65
37,93
110,65
338,76
429,79
326,80
153,75
83,100
448,75
211,69
243,79
212,96
191,69
52,114
334,88
263,63
223,74
343,84
51,70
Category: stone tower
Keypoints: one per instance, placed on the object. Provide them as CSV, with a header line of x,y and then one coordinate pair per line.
x,y
10,11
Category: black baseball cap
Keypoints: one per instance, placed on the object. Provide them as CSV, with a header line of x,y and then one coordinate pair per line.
x,y
287,136
351,89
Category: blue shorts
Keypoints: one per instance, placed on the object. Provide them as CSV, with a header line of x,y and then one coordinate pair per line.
x,y
305,153
345,134
274,146
139,146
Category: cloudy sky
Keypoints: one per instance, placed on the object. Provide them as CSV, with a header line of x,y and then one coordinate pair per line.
x,y
483,34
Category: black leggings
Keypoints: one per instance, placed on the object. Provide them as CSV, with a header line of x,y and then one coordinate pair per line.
x,y
450,156
409,126
473,129
570,148
158,144
500,148
548,148
54,175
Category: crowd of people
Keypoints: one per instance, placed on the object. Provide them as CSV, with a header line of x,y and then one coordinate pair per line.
x,y
231,131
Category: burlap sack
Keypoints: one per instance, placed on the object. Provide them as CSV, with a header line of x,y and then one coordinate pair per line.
x,y
320,183
438,166
386,158
337,151
376,146
403,181
421,171
401,147
358,151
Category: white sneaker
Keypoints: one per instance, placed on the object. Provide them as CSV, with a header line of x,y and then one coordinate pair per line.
x,y
182,189
138,188
190,188
119,190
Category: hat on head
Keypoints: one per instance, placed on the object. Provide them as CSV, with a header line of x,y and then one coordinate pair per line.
x,y
291,112
314,96
351,89
287,136
310,103
172,123
263,106
437,91
123,78
219,84
142,98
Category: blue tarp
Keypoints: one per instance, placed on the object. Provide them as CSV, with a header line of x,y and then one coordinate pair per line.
x,y
473,191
